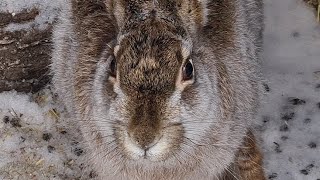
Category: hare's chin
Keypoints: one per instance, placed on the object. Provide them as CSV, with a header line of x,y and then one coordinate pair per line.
x,y
158,152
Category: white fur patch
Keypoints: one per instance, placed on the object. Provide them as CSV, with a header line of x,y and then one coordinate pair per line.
x,y
134,151
158,149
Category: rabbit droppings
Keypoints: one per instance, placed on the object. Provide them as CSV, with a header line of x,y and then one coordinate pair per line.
x,y
163,89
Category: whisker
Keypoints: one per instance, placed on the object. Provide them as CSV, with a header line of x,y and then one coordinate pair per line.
x,y
232,173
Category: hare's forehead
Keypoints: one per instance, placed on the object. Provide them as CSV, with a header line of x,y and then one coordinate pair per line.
x,y
153,50
150,61
149,73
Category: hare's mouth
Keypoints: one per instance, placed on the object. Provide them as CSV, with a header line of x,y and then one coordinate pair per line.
x,y
162,146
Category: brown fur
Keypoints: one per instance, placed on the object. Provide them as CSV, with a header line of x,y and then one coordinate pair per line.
x,y
248,162
220,26
95,28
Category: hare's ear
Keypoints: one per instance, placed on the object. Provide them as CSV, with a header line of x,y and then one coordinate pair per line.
x,y
193,14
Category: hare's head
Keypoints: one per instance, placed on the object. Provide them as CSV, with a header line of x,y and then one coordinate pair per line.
x,y
158,101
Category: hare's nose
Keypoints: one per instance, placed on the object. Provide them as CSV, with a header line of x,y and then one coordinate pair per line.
x,y
144,140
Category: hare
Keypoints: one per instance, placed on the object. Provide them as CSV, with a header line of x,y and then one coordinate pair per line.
x,y
163,89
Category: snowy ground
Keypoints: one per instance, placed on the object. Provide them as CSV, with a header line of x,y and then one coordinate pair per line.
x,y
290,117
35,142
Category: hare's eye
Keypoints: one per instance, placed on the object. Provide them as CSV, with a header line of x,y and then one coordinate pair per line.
x,y
113,67
187,70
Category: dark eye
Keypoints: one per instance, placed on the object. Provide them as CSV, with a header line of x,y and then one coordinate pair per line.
x,y
113,67
187,71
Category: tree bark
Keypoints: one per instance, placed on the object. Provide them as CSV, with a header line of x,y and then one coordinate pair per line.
x,y
24,54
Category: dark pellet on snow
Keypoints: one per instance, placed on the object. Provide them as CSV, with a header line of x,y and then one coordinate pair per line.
x,y
307,170
277,148
312,145
6,119
265,119
288,116
51,149
63,132
296,101
93,174
81,166
273,176
284,127
22,139
266,87
295,34
46,136
15,122
304,171
78,151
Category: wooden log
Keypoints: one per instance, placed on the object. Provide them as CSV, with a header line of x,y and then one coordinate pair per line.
x,y
24,54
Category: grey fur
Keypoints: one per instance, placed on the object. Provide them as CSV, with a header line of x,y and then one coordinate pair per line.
x,y
215,117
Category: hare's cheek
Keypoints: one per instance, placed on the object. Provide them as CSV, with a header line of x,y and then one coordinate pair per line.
x,y
170,142
159,151
189,95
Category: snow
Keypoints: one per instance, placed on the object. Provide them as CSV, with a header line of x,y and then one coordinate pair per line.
x,y
40,144
291,37
47,12
21,104
291,62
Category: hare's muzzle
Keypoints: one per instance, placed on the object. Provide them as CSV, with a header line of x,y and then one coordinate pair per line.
x,y
144,137
144,146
